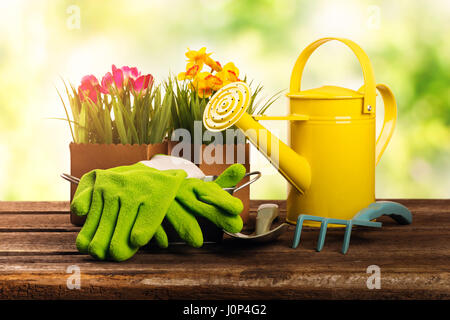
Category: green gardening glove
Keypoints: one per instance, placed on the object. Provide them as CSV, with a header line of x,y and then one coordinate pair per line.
x,y
206,199
231,176
125,207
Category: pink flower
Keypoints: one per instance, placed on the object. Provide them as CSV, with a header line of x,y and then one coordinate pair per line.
x,y
143,83
118,77
126,77
89,87
107,81
129,73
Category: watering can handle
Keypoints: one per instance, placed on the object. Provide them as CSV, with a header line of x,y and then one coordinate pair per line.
x,y
369,78
390,119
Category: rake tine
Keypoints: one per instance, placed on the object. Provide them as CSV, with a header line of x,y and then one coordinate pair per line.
x,y
298,231
322,234
348,231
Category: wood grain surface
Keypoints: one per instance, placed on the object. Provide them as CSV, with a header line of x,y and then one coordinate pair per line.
x,y
37,245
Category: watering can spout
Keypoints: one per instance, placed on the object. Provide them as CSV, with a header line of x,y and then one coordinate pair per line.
x,y
292,166
228,107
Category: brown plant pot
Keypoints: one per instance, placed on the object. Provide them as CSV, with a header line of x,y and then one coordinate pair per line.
x,y
228,154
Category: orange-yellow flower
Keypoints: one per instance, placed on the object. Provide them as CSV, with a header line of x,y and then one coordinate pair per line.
x,y
191,72
201,84
214,82
214,65
200,58
205,83
197,57
229,73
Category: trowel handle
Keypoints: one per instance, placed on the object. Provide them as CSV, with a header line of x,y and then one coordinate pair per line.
x,y
395,210
265,215
390,119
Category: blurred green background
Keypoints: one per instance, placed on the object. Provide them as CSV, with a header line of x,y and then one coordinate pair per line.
x,y
42,42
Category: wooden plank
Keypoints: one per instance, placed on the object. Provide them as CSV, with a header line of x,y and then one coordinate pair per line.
x,y
36,223
34,207
220,284
426,208
148,261
63,206
59,222
228,279
422,219
374,240
58,207
28,243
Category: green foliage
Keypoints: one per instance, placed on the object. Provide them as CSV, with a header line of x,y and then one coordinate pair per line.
x,y
125,117
259,107
187,106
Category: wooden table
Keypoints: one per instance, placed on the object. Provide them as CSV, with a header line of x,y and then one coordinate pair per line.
x,y
37,246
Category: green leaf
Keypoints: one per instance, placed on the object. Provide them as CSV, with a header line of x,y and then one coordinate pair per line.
x,y
83,121
67,115
95,115
161,119
108,126
120,126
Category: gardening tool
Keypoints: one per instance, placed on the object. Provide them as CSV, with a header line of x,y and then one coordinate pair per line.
x,y
330,163
396,211
266,214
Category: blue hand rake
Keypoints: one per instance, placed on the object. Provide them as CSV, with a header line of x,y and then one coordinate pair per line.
x,y
396,211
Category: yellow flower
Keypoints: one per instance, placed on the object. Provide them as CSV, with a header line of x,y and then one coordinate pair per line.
x,y
201,84
200,58
214,82
228,74
191,72
214,65
205,83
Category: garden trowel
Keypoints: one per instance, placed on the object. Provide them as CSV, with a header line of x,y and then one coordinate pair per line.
x,y
266,214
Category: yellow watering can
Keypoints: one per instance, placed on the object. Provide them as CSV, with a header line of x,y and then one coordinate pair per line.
x,y
331,161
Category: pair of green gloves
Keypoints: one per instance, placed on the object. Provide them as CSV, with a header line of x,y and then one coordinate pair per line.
x,y
126,205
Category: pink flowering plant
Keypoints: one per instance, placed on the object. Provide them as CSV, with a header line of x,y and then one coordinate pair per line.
x,y
124,107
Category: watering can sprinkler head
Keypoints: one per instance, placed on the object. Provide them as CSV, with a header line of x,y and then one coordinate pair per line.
x,y
228,106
